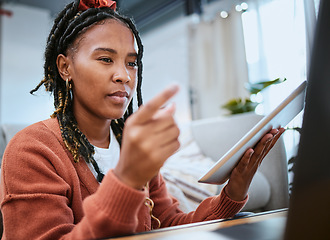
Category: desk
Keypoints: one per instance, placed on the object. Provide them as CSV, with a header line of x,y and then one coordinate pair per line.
x,y
269,225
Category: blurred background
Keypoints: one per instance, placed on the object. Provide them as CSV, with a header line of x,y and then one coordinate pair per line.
x,y
211,48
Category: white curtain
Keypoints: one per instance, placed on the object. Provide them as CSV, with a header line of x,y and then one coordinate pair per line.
x,y
218,68
311,11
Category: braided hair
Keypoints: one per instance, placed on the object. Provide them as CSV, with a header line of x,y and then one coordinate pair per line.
x,y
68,26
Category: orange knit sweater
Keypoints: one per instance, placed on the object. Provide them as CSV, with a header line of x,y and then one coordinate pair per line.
x,y
45,195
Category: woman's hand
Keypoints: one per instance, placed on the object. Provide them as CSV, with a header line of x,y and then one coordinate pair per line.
x,y
150,136
241,176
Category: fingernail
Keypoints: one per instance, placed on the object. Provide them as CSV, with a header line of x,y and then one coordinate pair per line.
x,y
174,88
171,107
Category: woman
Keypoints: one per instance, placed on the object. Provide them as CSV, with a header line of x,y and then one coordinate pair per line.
x,y
82,174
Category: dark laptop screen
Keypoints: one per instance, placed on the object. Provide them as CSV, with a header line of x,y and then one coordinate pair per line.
x,y
309,211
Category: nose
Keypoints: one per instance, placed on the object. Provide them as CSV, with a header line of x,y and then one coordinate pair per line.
x,y
121,74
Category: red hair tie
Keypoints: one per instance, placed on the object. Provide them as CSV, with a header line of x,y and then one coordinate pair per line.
x,y
86,4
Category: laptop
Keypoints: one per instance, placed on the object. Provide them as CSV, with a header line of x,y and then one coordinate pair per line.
x,y
309,209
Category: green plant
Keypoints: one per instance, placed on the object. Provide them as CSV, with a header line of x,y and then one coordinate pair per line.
x,y
239,105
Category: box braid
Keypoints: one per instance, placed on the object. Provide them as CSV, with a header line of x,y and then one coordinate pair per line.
x,y
68,26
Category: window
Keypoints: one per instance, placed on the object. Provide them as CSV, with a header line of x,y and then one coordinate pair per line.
x,y
275,40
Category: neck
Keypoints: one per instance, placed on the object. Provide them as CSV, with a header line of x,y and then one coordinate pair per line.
x,y
97,131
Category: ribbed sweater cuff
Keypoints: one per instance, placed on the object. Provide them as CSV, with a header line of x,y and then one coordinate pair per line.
x,y
118,199
226,207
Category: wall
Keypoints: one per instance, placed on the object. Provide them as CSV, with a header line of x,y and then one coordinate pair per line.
x,y
23,37
23,41
166,61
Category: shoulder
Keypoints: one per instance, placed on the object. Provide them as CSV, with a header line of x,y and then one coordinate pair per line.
x,y
35,157
43,130
40,140
37,150
46,126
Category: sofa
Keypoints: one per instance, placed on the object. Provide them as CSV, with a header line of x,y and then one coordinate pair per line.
x,y
274,168
202,143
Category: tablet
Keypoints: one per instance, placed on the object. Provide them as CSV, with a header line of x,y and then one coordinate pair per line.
x,y
279,117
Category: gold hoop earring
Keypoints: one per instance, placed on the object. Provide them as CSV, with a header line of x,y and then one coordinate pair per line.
x,y
68,84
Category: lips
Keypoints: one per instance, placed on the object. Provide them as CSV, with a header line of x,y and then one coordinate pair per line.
x,y
119,97
119,94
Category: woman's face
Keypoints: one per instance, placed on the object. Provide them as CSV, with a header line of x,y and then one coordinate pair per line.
x,y
102,67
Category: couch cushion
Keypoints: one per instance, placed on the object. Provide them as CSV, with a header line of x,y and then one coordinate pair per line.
x,y
215,136
259,193
182,171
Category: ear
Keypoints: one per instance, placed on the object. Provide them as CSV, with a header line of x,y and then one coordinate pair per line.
x,y
63,65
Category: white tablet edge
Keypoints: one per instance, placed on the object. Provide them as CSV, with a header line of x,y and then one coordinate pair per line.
x,y
253,136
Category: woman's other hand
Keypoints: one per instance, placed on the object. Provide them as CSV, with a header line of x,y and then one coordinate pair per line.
x,y
242,175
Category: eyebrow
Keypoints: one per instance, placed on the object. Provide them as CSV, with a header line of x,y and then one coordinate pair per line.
x,y
110,50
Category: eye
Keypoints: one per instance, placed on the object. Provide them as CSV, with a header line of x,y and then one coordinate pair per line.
x,y
132,64
105,59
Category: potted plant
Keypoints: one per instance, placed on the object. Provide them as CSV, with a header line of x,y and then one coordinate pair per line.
x,y
240,105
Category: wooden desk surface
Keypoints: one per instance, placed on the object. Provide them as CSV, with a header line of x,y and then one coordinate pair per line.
x,y
207,229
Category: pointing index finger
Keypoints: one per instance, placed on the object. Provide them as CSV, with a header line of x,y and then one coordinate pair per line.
x,y
150,108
